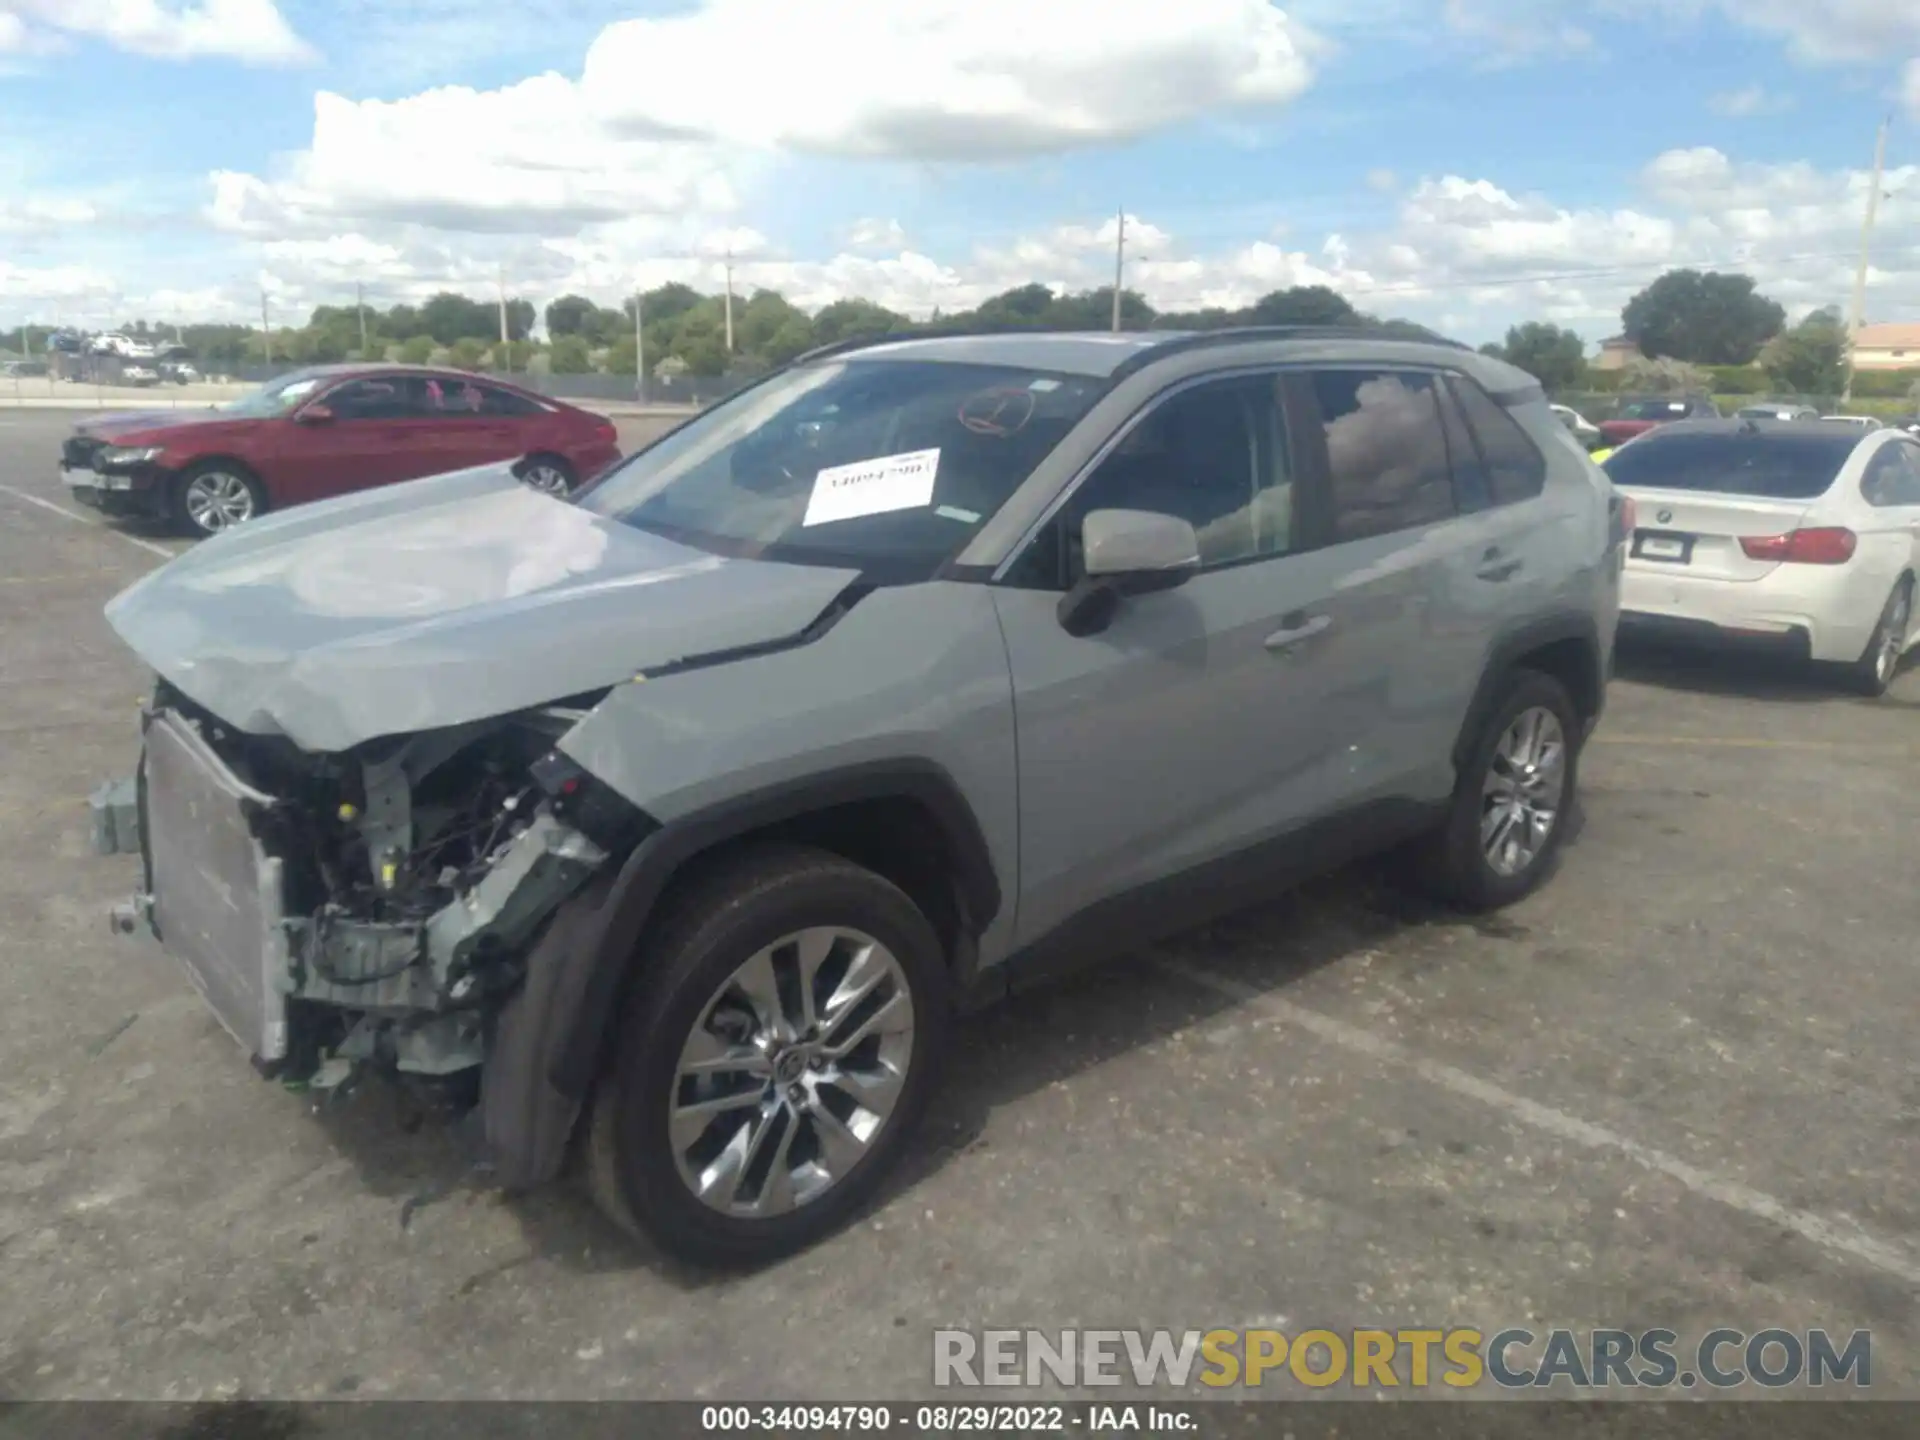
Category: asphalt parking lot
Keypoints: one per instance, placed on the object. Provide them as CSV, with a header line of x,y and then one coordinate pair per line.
x,y
1675,1088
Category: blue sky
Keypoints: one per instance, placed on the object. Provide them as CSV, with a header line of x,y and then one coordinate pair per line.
x,y
1465,162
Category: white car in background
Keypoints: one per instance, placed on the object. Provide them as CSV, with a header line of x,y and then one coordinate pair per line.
x,y
1802,537
142,375
1581,428
1865,422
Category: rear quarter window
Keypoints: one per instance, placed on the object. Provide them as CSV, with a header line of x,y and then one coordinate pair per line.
x,y
1515,469
1769,466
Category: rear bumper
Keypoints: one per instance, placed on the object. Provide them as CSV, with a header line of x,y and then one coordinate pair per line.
x,y
1816,611
1790,643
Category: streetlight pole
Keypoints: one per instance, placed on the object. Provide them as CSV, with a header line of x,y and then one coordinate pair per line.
x,y
1858,317
639,352
1119,264
360,305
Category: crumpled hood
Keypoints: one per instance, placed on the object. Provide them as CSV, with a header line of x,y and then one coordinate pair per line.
x,y
438,602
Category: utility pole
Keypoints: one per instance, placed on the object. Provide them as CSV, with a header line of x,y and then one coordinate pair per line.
x,y
729,307
639,352
266,328
1119,264
360,305
1858,317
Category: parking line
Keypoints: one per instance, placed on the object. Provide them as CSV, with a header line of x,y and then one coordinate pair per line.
x,y
1737,742
80,519
1841,1237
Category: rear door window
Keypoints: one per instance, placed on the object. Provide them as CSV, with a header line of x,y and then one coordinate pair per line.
x,y
1386,452
1770,465
1893,477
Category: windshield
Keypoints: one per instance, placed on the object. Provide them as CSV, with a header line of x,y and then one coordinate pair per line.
x,y
1775,466
276,397
1653,409
883,465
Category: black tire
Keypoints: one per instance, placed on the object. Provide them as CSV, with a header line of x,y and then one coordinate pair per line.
x,y
1451,864
1873,672
564,479
180,507
713,928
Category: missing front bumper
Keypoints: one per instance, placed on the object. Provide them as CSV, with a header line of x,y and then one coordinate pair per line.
x,y
218,897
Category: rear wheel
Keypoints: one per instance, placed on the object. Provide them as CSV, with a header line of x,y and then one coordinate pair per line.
x,y
1873,672
1510,807
548,474
216,496
773,1060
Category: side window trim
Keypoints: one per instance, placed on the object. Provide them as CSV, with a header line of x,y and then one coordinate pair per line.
x,y
1044,522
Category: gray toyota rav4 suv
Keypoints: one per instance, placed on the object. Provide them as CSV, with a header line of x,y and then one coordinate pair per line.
x,y
677,817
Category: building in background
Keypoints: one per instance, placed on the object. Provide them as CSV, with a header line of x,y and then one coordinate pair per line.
x,y
1887,347
1617,353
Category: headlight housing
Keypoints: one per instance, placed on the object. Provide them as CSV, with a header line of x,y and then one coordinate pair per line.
x,y
132,455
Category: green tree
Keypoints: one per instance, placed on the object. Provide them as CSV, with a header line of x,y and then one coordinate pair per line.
x,y
1704,319
1809,359
449,317
849,319
1666,376
764,315
467,352
569,355
1303,305
1093,310
1556,358
793,338
621,356
403,322
665,302
569,316
416,350
1022,308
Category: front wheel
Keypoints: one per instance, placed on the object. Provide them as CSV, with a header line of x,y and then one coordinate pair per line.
x,y
1508,816
773,1059
215,497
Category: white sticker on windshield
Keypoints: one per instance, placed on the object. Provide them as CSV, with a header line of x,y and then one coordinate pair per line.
x,y
873,487
1043,385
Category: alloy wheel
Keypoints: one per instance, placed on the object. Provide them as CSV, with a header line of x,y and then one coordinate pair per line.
x,y
1894,632
1525,785
218,500
791,1072
550,479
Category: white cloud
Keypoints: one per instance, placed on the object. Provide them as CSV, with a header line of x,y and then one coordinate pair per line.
x,y
941,79
871,234
1747,101
1385,181
252,31
55,287
1819,31
43,214
526,159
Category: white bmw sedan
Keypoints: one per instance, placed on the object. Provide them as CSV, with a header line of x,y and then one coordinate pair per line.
x,y
1800,535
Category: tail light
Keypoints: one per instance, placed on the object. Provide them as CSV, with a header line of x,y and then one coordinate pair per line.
x,y
1629,515
603,430
1828,545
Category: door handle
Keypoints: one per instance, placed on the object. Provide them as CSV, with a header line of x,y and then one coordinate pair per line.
x,y
1495,566
1296,628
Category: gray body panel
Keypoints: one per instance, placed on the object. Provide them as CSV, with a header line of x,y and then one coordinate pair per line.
x,y
914,674
451,599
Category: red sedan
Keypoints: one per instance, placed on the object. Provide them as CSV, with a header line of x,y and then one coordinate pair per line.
x,y
323,432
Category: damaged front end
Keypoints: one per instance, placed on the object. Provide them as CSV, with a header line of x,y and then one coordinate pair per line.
x,y
371,907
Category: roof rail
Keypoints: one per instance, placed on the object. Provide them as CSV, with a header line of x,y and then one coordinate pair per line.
x,y
1200,339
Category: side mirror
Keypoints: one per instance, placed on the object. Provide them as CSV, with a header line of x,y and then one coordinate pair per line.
x,y
315,414
1126,552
